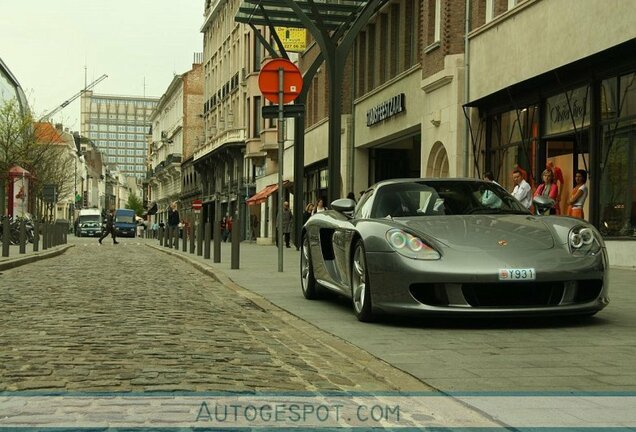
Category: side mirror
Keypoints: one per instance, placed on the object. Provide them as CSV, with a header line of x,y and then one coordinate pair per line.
x,y
343,205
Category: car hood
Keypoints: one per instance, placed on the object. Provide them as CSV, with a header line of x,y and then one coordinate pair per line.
x,y
485,232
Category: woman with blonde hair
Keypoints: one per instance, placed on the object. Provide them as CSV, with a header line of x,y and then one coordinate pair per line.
x,y
549,189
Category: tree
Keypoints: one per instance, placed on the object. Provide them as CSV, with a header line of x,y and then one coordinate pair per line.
x,y
134,203
26,144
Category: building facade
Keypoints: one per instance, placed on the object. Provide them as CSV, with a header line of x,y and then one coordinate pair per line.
x,y
177,128
118,126
238,155
565,94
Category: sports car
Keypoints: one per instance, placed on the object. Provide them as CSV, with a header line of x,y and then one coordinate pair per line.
x,y
452,246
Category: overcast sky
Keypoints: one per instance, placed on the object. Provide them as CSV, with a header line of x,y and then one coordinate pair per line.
x,y
48,43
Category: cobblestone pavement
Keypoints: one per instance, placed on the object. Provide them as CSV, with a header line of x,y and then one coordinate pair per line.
x,y
130,318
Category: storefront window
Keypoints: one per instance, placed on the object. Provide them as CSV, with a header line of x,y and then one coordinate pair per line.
x,y
618,157
514,143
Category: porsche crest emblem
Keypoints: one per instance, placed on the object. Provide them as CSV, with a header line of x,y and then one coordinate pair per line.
x,y
502,242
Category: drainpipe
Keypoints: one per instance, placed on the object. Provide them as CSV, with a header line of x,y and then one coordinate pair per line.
x,y
352,130
466,88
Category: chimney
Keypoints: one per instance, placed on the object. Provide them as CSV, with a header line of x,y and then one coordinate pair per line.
x,y
59,127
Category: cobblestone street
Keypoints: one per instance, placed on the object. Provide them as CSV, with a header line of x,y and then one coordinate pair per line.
x,y
130,318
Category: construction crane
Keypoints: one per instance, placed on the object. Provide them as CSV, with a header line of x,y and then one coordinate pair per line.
x,y
46,117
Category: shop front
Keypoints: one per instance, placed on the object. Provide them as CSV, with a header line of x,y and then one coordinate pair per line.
x,y
579,117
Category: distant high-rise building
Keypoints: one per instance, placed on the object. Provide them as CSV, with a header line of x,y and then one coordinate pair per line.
x,y
118,125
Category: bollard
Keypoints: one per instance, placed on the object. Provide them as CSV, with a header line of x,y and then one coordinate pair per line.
x,y
236,244
167,236
160,235
192,240
23,238
5,236
36,236
176,237
45,236
200,239
217,242
184,247
206,241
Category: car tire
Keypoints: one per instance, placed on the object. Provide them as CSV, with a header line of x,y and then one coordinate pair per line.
x,y
308,283
360,286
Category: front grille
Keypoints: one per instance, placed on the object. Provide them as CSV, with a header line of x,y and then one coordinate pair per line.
x,y
513,294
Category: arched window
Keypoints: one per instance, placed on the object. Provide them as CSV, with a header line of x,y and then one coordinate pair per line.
x,y
437,161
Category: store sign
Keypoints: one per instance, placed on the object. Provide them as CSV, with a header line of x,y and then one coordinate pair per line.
x,y
386,109
565,111
293,39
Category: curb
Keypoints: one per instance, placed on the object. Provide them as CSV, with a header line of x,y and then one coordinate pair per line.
x,y
32,257
382,370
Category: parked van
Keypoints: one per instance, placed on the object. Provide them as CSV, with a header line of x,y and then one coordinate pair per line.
x,y
89,223
125,224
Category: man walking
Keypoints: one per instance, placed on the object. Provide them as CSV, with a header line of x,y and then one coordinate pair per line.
x,y
110,227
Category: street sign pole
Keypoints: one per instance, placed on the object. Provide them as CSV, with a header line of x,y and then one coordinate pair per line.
x,y
281,150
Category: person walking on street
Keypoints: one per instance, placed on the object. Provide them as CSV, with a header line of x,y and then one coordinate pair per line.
x,y
110,227
173,221
287,219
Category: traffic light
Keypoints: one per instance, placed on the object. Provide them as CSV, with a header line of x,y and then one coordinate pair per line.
x,y
85,199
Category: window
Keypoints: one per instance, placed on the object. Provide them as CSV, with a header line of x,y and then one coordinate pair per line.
x,y
512,3
490,10
257,117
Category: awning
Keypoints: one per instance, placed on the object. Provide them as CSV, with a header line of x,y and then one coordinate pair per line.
x,y
262,195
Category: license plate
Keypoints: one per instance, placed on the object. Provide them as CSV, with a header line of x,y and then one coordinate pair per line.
x,y
517,274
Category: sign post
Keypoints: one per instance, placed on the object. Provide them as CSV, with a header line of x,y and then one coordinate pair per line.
x,y
280,81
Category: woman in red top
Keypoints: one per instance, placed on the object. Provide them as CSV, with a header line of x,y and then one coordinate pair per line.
x,y
549,189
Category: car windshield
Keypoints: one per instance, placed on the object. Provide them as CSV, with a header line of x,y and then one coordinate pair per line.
x,y
90,218
436,198
124,218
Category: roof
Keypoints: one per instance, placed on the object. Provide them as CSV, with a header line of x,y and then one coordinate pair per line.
x,y
330,14
46,133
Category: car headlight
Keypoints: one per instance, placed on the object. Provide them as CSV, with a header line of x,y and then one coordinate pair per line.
x,y
410,246
583,241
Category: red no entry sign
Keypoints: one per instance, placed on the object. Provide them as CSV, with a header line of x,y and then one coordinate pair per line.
x,y
268,80
197,204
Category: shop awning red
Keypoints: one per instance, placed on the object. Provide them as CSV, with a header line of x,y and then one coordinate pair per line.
x,y
262,195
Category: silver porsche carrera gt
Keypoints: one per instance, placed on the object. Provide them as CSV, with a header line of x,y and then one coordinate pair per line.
x,y
448,246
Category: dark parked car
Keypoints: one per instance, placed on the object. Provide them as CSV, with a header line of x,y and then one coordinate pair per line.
x,y
437,246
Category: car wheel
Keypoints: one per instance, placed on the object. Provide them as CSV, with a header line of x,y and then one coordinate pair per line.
x,y
360,286
307,279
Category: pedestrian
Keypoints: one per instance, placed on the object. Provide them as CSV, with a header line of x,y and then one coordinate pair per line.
x,y
522,190
578,195
320,206
173,221
549,189
110,227
309,209
287,219
154,228
225,228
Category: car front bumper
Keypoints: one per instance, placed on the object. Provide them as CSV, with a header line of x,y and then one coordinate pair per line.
x,y
468,283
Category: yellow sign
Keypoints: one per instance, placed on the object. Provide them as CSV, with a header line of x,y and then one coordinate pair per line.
x,y
294,39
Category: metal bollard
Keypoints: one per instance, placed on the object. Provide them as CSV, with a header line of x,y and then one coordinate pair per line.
x,y
45,236
206,241
160,235
176,237
236,244
217,242
200,239
36,236
167,237
192,239
5,236
23,238
184,247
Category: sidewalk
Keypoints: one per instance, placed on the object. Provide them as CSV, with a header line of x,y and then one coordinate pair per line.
x,y
16,259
